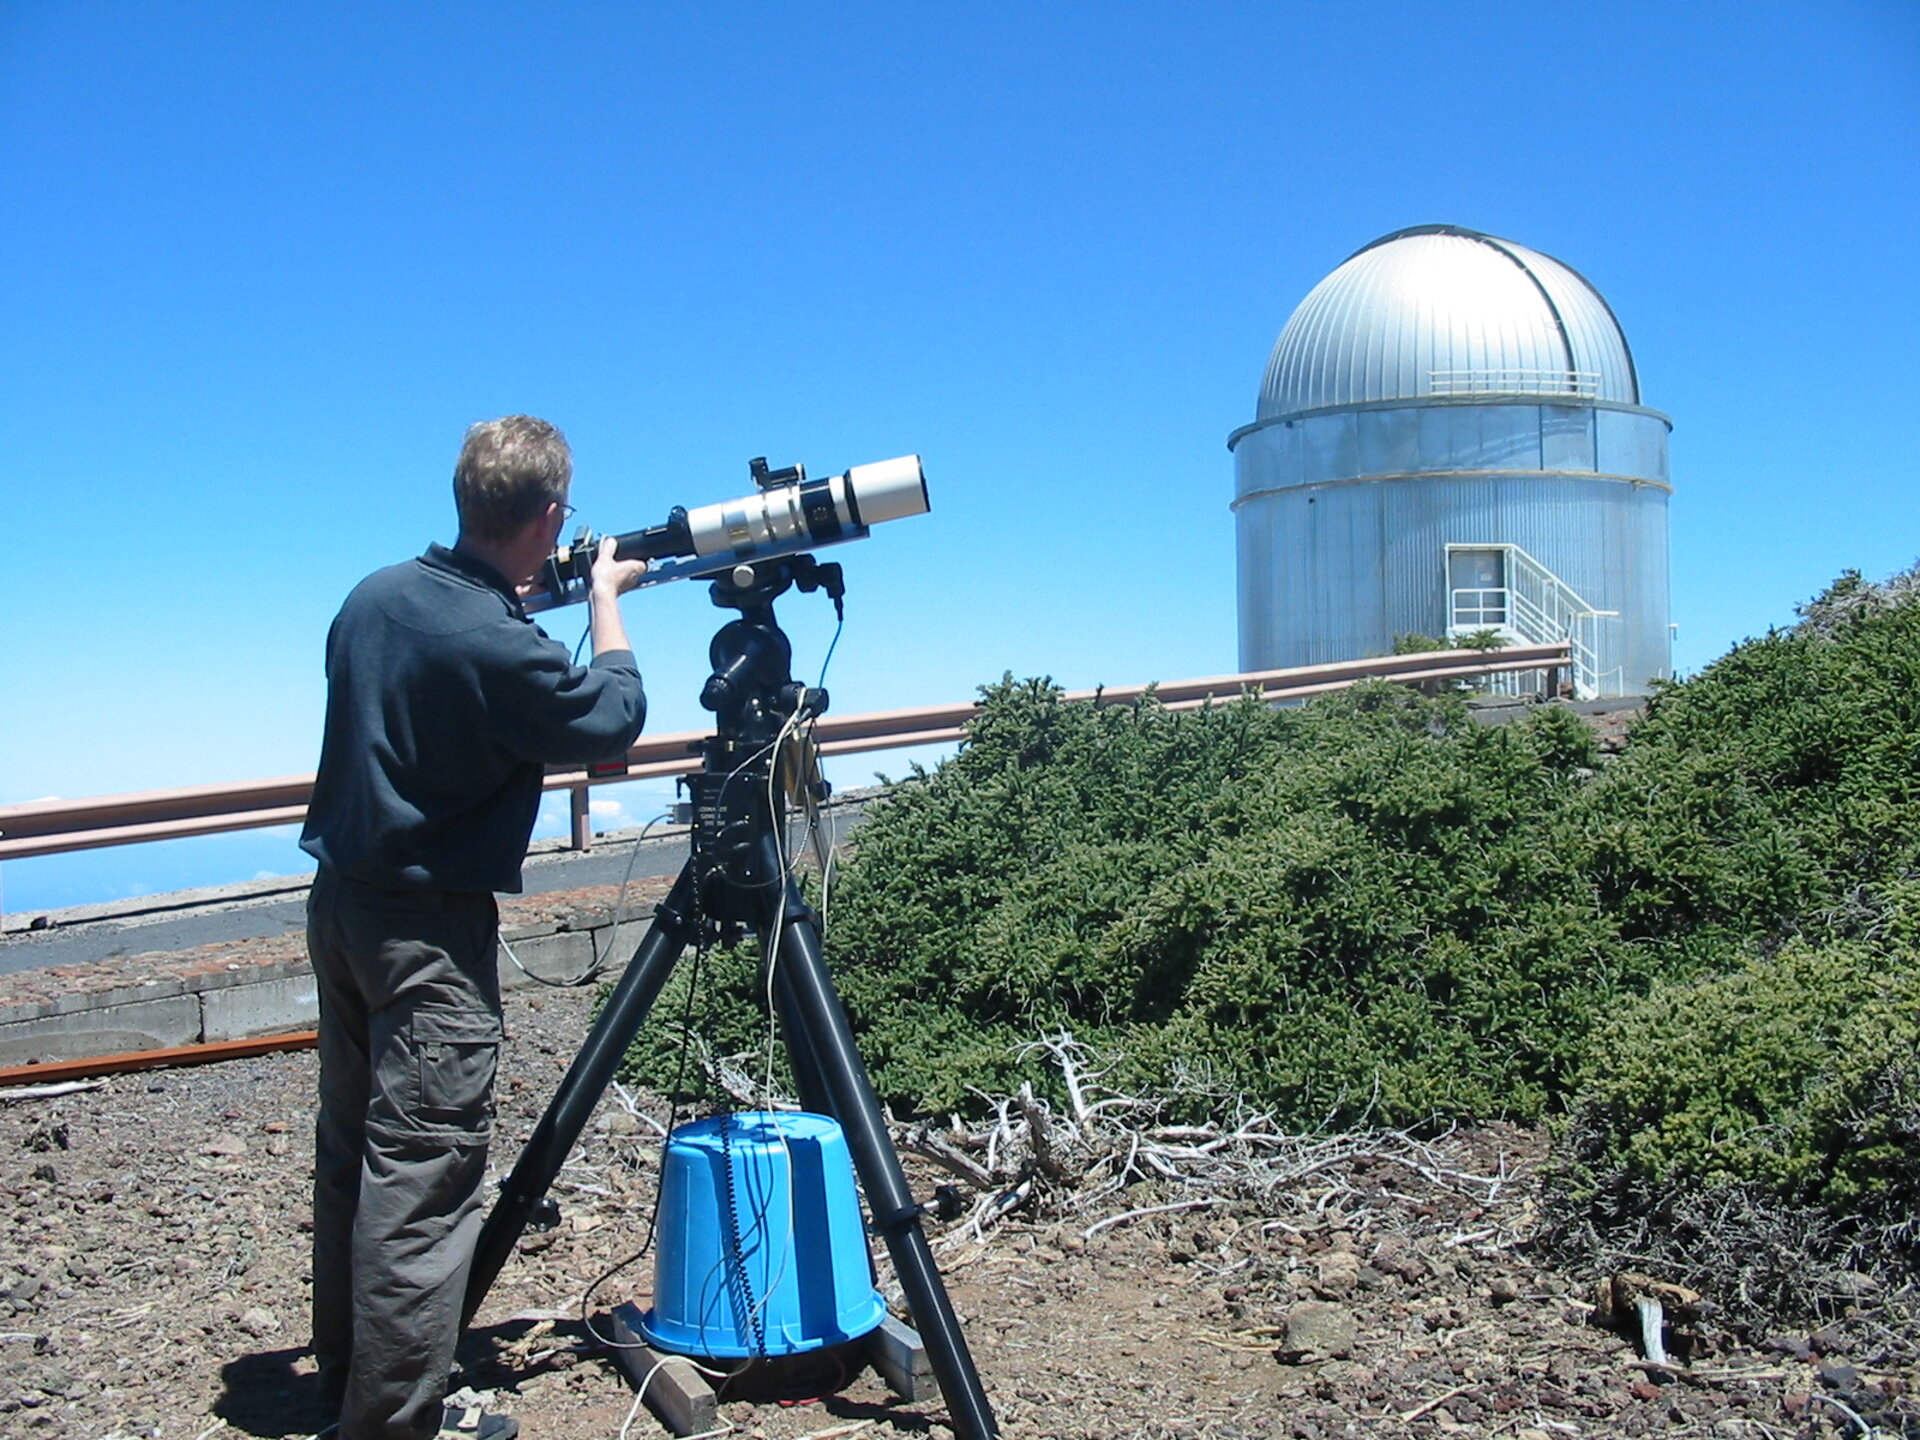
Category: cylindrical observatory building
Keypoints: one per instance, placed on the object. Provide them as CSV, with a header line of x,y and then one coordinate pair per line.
x,y
1450,440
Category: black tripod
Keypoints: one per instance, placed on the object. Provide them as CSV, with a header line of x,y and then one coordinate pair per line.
x,y
736,880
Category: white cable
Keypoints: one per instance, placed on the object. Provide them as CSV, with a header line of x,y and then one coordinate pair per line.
x,y
831,863
833,839
784,867
725,1427
770,956
785,863
572,983
620,897
599,964
640,1395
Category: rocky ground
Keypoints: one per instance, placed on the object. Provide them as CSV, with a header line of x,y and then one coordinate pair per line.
x,y
153,1283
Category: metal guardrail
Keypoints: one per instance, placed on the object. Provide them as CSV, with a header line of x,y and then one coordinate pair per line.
x,y
1584,383
53,827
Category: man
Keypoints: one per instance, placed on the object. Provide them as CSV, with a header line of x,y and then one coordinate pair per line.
x,y
444,702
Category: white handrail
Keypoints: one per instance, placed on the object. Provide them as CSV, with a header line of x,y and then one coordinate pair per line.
x,y
1542,608
1584,383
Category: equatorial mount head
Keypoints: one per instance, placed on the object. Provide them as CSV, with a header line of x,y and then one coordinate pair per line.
x,y
752,685
755,759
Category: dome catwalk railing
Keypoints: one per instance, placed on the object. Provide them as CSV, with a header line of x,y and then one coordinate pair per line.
x,y
1584,384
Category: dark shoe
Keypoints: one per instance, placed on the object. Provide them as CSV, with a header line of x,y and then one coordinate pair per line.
x,y
331,1380
470,1422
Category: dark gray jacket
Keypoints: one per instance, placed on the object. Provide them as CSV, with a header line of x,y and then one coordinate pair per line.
x,y
444,704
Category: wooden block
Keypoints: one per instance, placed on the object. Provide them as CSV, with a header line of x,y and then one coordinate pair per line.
x,y
896,1352
676,1392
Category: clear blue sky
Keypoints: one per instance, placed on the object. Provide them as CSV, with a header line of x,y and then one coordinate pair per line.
x,y
265,263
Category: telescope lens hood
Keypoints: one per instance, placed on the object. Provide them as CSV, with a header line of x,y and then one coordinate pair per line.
x,y
886,490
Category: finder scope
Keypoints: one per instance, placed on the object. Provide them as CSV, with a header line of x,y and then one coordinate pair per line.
x,y
787,513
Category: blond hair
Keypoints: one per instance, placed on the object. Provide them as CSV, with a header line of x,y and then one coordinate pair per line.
x,y
508,472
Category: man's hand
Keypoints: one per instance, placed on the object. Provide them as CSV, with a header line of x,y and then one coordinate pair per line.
x,y
615,577
610,580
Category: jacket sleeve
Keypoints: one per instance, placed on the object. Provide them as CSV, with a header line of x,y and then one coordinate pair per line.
x,y
542,707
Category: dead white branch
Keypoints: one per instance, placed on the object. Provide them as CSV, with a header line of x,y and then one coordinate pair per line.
x,y
1040,1135
1099,1225
48,1092
1653,1320
923,1142
1106,1141
630,1103
1068,1054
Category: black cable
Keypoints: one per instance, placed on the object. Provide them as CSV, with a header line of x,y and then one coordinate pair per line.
x,y
736,1245
735,1241
679,1077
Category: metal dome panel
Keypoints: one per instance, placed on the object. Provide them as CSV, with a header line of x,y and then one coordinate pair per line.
x,y
1442,311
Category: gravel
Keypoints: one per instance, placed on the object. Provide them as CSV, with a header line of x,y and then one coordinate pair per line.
x,y
154,1279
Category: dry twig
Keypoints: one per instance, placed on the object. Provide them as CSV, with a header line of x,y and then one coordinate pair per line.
x,y
1108,1141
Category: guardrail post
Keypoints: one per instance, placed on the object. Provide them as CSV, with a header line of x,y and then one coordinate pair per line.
x,y
582,818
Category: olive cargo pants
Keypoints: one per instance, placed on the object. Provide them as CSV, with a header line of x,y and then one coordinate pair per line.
x,y
409,1039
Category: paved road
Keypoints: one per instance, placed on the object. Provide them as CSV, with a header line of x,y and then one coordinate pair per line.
x,y
270,908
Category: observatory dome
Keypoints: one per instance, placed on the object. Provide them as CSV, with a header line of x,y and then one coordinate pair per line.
x,y
1438,310
1450,440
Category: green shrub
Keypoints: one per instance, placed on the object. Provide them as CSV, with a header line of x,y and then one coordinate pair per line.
x,y
1796,1072
1414,643
1755,796
1370,906
1340,910
1760,835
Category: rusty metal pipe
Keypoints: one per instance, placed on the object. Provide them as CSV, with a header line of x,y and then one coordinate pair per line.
x,y
203,1054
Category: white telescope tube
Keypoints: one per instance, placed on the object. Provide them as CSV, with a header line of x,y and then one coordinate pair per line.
x,y
812,511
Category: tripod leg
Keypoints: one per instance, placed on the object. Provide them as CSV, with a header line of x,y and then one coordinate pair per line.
x,y
808,997
585,1082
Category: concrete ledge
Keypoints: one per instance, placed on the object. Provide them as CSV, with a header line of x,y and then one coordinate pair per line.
x,y
244,1011
86,997
240,990
147,1025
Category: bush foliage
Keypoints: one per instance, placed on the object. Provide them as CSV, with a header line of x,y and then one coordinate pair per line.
x,y
1373,908
1790,1067
1798,1072
1338,911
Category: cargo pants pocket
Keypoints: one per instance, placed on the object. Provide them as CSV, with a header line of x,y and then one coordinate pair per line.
x,y
456,1052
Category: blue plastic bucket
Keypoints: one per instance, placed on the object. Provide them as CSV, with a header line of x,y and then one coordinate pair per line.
x,y
760,1248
